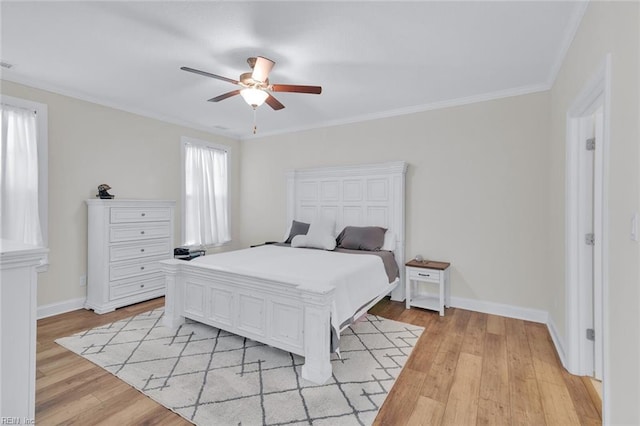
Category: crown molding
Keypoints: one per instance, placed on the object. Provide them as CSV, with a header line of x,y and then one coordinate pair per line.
x,y
13,78
518,91
569,35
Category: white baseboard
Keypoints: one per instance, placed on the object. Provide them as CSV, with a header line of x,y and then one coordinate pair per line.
x,y
510,311
557,341
516,312
52,309
492,308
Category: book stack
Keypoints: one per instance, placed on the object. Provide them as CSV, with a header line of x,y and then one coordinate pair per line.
x,y
186,253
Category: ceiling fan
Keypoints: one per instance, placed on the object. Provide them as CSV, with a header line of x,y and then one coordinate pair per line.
x,y
255,85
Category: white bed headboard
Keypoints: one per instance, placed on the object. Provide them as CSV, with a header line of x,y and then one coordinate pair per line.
x,y
361,195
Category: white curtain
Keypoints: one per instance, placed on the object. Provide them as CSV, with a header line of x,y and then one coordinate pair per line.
x,y
19,217
206,196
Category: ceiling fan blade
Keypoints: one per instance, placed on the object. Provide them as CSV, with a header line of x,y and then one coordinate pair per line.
x,y
274,103
225,96
208,74
262,68
315,90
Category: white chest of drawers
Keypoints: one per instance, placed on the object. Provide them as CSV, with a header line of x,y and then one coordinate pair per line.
x,y
127,238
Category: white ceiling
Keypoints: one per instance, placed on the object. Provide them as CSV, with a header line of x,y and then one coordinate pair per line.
x,y
372,59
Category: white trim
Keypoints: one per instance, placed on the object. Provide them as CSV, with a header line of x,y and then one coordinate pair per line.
x,y
500,94
184,140
42,129
524,90
493,308
570,32
557,340
596,93
517,312
58,308
9,76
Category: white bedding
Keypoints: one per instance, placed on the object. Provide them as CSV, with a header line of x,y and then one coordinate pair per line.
x,y
357,278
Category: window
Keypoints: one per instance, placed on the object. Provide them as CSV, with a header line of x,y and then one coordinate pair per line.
x,y
23,171
205,199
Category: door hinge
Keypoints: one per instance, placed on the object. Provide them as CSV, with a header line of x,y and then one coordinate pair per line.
x,y
591,144
591,334
589,239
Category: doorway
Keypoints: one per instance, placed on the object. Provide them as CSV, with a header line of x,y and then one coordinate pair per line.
x,y
586,230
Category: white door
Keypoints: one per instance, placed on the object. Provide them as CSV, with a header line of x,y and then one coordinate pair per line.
x,y
586,273
590,250
598,208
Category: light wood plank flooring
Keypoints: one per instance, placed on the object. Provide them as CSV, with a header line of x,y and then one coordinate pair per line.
x,y
467,369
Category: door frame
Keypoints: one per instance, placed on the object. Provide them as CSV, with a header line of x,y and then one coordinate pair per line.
x,y
595,94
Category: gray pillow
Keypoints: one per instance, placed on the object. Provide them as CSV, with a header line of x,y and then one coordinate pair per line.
x,y
369,238
297,228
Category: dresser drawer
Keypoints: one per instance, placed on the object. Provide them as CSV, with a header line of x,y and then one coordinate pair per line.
x,y
139,231
144,266
421,274
139,286
140,214
140,249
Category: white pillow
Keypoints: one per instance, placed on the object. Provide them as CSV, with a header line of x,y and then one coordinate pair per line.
x,y
389,241
324,242
323,227
320,235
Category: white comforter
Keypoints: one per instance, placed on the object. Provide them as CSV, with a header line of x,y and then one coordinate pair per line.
x,y
357,278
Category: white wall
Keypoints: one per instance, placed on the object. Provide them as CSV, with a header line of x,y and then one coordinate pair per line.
x,y
476,189
91,144
606,27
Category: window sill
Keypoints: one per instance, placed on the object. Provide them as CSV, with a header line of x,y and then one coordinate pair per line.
x,y
44,265
196,247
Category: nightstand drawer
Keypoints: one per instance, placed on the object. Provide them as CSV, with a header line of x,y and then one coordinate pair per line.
x,y
140,249
422,274
118,271
140,214
139,231
136,287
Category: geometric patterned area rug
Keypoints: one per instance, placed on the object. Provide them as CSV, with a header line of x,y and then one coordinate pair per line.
x,y
212,377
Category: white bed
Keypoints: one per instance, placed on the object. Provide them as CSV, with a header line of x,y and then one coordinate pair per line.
x,y
290,297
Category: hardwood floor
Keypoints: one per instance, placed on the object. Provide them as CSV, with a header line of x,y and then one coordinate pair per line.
x,y
477,369
467,369
73,391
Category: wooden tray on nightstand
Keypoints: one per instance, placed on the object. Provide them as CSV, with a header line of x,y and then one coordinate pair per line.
x,y
431,264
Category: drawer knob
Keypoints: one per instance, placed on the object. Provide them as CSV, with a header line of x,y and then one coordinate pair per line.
x,y
142,268
142,232
424,275
141,285
142,250
143,214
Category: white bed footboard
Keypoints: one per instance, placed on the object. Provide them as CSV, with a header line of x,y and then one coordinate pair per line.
x,y
285,316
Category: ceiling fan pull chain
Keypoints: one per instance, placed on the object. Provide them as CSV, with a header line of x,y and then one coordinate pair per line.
x,y
255,127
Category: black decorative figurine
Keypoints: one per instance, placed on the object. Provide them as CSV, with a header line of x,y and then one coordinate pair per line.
x,y
102,192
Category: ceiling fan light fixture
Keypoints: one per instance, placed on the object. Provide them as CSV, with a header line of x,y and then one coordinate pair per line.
x,y
254,97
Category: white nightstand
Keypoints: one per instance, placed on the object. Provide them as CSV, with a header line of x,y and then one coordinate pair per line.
x,y
419,275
